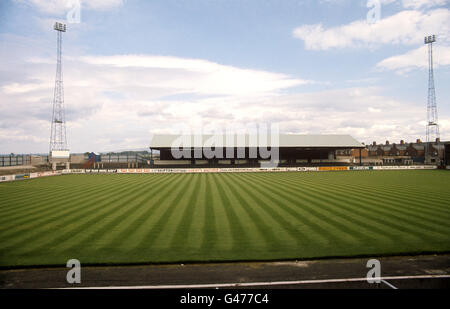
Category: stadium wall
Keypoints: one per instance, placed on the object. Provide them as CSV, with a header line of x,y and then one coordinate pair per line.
x,y
249,170
213,170
28,176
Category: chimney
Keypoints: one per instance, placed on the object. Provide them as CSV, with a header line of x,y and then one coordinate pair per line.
x,y
418,141
374,143
438,140
387,142
402,142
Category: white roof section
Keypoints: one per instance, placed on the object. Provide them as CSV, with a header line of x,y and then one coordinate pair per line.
x,y
60,154
246,140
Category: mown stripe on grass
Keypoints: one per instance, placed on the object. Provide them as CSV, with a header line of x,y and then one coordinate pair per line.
x,y
47,230
181,221
160,231
151,227
367,221
338,212
47,214
240,234
413,204
383,184
74,219
289,225
336,226
312,225
276,198
99,234
408,229
130,228
333,211
396,212
221,237
54,211
250,237
33,202
194,237
39,187
265,230
39,206
209,230
384,192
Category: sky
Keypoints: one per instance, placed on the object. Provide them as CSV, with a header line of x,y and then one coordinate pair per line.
x,y
135,68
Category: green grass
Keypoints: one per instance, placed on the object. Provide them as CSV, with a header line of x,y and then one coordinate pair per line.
x,y
106,219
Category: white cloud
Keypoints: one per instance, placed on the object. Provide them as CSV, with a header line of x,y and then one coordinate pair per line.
x,y
417,4
196,75
341,2
384,2
416,59
49,6
116,102
58,7
15,88
111,108
345,111
102,4
111,98
406,27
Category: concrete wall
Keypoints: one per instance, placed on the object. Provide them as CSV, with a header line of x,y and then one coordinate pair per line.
x,y
38,160
77,158
172,162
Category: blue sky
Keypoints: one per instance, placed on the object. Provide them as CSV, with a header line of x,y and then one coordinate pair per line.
x,y
133,68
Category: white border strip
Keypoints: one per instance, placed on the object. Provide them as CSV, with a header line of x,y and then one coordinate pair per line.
x,y
389,285
256,284
245,170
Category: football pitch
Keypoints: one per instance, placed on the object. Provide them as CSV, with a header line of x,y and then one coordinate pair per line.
x,y
165,218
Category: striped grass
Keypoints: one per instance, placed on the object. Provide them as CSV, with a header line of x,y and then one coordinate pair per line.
x,y
164,218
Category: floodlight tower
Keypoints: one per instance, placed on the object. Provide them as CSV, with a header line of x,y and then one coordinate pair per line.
x,y
432,115
58,133
58,141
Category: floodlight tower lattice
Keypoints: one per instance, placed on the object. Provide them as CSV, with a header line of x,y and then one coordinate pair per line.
x,y
58,140
432,114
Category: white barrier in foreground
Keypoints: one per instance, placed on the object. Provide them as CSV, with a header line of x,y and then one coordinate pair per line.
x,y
28,176
7,178
407,167
214,170
245,170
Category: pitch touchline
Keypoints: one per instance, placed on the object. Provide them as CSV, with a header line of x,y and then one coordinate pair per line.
x,y
271,283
